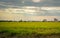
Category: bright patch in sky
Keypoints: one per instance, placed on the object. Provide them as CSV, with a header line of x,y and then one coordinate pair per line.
x,y
36,1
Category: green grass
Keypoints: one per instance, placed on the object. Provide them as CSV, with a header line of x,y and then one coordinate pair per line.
x,y
30,27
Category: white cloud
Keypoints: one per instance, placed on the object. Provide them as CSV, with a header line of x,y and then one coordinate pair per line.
x,y
18,13
28,10
50,8
32,10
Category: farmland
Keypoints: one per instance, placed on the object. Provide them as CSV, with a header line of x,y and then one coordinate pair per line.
x,y
29,29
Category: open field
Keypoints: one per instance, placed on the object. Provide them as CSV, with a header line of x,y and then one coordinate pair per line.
x,y
30,29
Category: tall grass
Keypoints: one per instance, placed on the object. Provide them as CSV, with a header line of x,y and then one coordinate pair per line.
x,y
38,27
29,29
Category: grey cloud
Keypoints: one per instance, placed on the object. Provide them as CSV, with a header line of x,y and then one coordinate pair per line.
x,y
49,13
30,3
18,3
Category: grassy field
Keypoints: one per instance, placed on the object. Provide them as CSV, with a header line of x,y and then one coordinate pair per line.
x,y
28,28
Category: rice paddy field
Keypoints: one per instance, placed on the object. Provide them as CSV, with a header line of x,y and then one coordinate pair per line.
x,y
29,29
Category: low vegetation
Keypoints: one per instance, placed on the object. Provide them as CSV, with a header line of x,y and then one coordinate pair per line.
x,y
29,29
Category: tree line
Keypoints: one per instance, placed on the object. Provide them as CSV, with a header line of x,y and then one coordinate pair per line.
x,y
44,20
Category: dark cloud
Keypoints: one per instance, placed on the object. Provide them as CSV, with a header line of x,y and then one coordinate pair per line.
x,y
2,7
30,3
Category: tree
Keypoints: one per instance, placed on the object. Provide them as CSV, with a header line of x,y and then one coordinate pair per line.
x,y
44,20
55,19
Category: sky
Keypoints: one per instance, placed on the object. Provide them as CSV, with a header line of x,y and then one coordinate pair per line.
x,y
29,9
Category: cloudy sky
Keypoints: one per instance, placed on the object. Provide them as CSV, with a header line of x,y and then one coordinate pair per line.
x,y
29,9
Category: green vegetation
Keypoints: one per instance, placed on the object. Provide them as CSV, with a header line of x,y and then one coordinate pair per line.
x,y
28,28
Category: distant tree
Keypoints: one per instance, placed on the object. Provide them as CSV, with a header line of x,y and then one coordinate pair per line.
x,y
55,19
20,20
44,20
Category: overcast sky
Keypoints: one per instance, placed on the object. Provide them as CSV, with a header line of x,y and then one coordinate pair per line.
x,y
32,9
